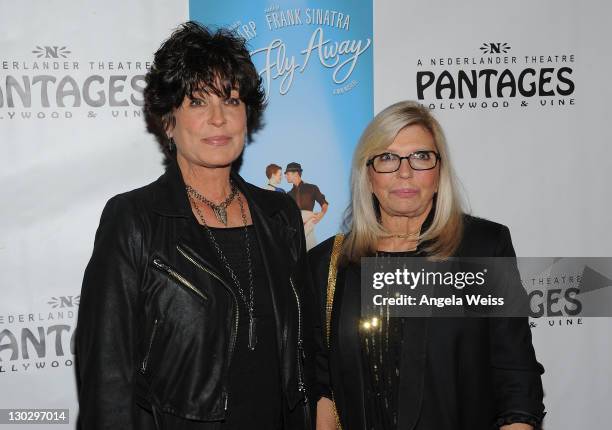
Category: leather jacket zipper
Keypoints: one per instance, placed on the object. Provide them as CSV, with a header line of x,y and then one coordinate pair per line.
x,y
145,360
233,335
177,276
300,355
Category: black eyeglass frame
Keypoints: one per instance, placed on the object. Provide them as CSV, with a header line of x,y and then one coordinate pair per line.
x,y
408,157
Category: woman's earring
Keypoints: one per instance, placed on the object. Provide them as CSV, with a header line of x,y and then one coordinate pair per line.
x,y
171,144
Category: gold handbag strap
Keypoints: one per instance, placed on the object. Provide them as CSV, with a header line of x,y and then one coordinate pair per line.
x,y
332,275
331,283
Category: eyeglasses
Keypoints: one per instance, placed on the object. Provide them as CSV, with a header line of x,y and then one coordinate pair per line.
x,y
388,162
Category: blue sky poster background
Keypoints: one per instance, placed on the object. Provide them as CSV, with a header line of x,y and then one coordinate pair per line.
x,y
311,123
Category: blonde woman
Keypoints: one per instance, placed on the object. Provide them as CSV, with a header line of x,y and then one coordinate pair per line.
x,y
431,373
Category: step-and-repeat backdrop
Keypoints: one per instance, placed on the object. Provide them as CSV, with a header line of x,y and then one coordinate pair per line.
x,y
521,90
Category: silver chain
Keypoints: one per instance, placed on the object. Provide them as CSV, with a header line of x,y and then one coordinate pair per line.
x,y
220,210
250,302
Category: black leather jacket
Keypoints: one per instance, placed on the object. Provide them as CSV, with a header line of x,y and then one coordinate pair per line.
x,y
157,320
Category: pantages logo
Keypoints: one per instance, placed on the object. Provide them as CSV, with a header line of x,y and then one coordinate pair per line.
x,y
283,59
555,299
41,340
51,52
498,78
50,82
568,291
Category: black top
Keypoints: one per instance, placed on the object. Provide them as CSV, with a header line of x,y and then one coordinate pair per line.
x,y
254,380
381,351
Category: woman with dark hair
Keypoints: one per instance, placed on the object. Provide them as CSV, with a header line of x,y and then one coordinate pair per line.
x,y
416,373
192,312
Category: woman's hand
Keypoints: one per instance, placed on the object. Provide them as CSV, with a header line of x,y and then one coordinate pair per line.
x,y
326,416
515,426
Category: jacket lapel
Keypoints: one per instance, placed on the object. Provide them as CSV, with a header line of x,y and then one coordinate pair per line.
x,y
273,235
346,359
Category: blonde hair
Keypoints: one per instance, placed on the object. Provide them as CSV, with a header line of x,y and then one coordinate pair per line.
x,y
361,222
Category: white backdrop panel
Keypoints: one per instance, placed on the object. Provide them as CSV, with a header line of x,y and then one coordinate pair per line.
x,y
543,170
67,146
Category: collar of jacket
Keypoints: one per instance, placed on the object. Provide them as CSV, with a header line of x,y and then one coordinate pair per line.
x,y
268,213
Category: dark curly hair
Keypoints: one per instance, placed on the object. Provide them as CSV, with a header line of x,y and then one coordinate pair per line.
x,y
194,59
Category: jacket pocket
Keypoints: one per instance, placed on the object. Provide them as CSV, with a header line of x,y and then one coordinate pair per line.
x,y
181,280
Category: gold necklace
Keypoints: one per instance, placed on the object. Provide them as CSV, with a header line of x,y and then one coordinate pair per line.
x,y
403,236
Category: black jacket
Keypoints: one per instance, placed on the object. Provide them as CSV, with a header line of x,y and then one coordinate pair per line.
x,y
455,374
157,319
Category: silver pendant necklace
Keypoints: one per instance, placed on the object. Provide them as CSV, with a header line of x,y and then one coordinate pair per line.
x,y
250,301
219,210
